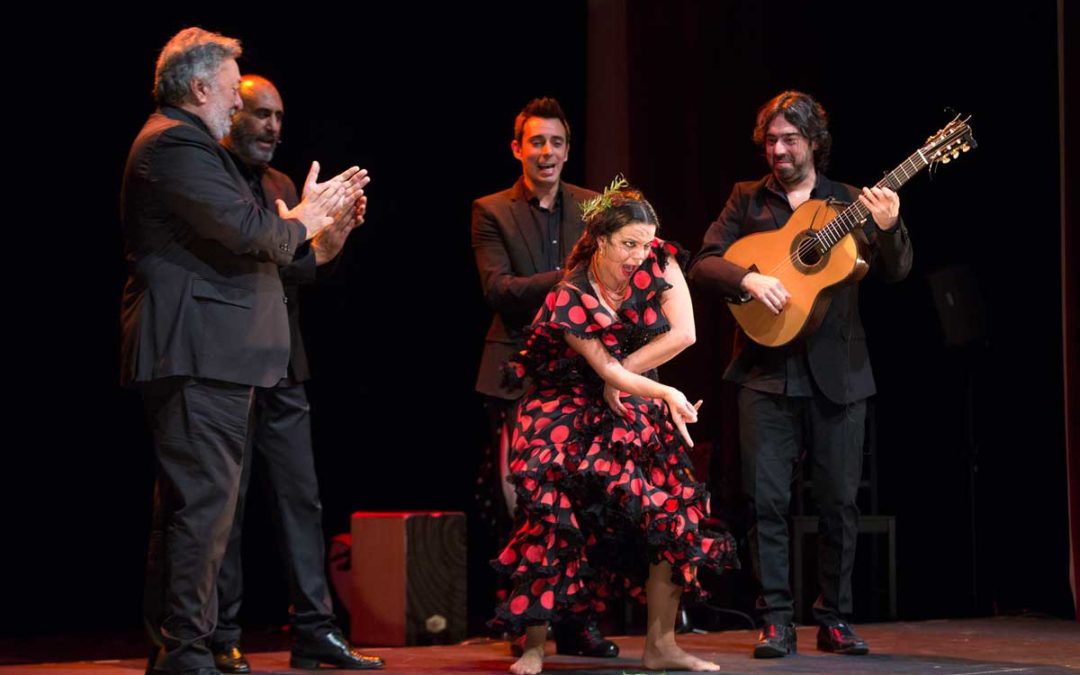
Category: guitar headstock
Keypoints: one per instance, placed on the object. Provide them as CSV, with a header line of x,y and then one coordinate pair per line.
x,y
947,144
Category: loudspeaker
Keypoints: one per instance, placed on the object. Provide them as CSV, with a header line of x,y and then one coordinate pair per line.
x,y
959,304
408,578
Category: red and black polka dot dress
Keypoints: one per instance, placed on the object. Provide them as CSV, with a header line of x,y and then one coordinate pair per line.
x,y
602,495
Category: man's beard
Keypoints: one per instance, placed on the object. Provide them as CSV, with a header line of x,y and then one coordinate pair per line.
x,y
245,145
219,124
792,173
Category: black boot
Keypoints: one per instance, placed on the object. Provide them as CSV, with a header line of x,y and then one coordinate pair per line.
x,y
576,639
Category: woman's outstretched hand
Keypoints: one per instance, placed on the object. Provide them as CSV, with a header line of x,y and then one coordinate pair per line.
x,y
682,412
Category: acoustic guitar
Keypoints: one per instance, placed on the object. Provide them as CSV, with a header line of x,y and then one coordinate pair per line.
x,y
822,247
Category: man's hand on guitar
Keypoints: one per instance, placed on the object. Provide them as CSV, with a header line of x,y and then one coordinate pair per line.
x,y
768,290
883,205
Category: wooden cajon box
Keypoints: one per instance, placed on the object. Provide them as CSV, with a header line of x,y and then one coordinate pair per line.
x,y
408,578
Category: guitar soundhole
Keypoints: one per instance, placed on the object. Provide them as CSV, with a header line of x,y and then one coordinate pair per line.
x,y
806,251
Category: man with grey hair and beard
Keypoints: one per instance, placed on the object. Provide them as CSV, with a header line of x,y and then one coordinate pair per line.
x,y
281,432
203,324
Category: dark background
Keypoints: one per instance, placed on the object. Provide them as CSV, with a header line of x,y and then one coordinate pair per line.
x,y
425,99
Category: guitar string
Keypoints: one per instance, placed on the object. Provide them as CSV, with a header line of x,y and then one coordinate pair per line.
x,y
841,219
829,229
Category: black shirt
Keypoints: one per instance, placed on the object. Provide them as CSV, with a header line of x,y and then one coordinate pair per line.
x,y
549,223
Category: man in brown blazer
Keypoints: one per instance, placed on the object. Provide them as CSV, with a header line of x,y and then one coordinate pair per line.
x,y
281,420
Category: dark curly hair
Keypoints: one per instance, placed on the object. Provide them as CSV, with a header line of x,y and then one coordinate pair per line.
x,y
806,115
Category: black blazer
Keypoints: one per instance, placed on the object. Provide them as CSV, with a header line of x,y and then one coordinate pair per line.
x,y
836,351
508,251
203,296
302,270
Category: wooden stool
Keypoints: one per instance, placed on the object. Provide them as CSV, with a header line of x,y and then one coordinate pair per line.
x,y
804,525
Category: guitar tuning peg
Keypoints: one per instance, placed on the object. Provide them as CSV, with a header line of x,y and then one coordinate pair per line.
x,y
955,154
946,159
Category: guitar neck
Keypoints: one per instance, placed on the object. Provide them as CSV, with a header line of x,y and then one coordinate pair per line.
x,y
856,214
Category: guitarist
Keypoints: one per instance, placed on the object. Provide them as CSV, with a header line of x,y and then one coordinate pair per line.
x,y
810,393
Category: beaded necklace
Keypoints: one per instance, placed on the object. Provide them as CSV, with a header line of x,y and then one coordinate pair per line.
x,y
615,297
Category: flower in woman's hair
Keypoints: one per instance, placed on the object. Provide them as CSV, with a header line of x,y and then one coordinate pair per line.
x,y
608,198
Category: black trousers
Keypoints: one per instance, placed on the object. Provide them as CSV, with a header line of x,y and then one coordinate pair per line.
x,y
281,445
773,430
199,429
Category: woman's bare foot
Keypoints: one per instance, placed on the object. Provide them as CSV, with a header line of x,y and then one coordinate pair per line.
x,y
530,663
671,657
532,657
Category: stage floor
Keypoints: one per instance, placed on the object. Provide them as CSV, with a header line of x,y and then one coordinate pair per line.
x,y
946,647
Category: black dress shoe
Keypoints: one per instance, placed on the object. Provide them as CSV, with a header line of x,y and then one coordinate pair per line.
x,y
229,659
839,637
776,640
584,641
331,650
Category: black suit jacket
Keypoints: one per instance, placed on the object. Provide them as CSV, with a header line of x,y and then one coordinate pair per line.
x,y
302,270
838,359
508,251
203,296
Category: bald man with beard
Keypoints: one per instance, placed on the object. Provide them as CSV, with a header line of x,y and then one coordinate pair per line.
x,y
281,428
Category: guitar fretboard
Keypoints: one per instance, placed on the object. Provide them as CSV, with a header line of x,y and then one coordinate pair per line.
x,y
856,214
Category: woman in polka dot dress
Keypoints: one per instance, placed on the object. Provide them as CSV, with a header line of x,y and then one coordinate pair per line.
x,y
599,461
